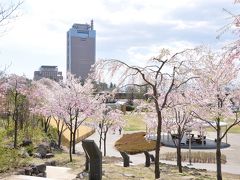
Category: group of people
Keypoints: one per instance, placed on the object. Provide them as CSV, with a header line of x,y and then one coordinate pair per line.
x,y
120,131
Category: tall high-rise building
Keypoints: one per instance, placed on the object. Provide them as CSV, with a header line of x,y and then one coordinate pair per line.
x,y
81,49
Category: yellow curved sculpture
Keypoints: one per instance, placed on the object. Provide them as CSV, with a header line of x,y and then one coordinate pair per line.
x,y
82,133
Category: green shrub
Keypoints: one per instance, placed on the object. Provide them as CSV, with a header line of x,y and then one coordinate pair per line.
x,y
52,133
2,135
35,134
129,108
30,149
9,158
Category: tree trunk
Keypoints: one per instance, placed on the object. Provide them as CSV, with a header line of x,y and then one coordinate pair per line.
x,y
8,120
100,142
104,141
179,157
42,122
15,118
21,121
15,130
74,141
59,140
60,132
158,143
70,145
74,136
71,139
218,152
100,138
74,133
46,124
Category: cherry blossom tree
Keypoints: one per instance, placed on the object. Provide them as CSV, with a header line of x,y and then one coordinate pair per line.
x,y
58,113
2,94
16,88
176,118
8,12
39,98
77,104
4,103
234,25
46,99
106,118
163,74
235,49
216,95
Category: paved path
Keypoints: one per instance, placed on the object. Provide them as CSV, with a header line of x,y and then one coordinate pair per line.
x,y
232,153
53,173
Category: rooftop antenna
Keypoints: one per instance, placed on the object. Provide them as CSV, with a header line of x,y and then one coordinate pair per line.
x,y
92,24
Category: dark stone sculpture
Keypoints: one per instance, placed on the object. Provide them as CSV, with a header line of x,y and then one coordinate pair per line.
x,y
147,162
152,158
126,159
93,159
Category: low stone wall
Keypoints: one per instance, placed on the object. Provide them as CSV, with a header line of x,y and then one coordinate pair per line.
x,y
36,170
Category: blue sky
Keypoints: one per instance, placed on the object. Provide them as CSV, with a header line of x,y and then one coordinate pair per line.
x,y
129,30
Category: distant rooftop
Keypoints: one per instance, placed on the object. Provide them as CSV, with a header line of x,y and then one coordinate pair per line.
x,y
83,27
50,72
46,66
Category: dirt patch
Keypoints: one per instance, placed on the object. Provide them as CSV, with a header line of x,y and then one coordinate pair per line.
x,y
111,160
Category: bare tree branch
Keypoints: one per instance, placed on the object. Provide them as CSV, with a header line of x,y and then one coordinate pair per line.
x,y
8,13
170,89
204,120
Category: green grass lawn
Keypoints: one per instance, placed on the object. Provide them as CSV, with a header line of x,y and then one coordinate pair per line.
x,y
134,122
235,129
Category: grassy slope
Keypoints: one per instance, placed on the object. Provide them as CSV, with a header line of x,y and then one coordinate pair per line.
x,y
134,122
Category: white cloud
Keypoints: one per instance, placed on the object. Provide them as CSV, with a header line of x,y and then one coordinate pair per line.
x,y
126,29
141,54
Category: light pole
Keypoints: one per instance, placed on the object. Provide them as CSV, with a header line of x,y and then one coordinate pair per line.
x,y
189,130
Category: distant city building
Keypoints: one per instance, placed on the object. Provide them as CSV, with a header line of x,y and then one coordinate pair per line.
x,y
50,72
81,49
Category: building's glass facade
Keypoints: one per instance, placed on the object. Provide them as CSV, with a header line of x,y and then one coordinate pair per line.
x,y
81,49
